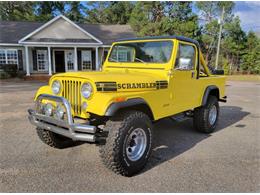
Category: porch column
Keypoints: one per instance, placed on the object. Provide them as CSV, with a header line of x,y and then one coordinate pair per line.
x,y
53,60
75,59
49,60
97,60
27,61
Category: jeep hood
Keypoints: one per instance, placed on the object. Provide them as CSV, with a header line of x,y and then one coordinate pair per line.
x,y
122,81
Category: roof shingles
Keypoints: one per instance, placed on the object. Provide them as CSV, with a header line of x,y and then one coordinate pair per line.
x,y
12,32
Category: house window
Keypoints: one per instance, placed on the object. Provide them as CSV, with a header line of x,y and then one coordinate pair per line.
x,y
2,57
42,61
122,56
12,57
86,60
8,56
70,60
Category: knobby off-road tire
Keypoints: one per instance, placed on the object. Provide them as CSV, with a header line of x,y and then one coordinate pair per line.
x,y
206,117
125,130
54,140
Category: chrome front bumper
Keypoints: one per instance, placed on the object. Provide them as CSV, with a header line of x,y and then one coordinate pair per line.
x,y
67,128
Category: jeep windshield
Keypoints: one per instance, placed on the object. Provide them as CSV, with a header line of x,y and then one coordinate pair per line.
x,y
142,52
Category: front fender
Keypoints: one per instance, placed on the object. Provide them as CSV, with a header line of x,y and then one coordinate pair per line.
x,y
114,107
43,90
207,92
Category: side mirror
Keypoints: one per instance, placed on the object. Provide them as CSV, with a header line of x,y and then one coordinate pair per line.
x,y
218,72
184,63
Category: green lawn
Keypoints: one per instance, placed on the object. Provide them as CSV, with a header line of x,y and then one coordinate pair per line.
x,y
243,78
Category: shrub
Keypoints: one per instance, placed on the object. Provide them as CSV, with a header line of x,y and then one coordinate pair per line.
x,y
4,75
21,74
8,70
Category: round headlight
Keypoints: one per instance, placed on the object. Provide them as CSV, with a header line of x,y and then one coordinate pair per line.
x,y
47,109
86,90
56,86
59,112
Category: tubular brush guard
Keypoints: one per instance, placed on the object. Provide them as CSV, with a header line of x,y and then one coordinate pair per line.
x,y
67,128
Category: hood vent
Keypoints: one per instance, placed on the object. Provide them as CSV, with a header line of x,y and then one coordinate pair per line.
x,y
106,86
161,84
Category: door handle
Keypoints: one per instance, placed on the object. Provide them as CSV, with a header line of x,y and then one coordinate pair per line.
x,y
192,74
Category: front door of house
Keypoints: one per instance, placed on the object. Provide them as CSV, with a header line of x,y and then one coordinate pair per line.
x,y
59,61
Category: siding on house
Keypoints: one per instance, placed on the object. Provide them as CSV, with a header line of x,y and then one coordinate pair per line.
x,y
61,29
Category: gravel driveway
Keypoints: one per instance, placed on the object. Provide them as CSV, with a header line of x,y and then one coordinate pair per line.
x,y
183,160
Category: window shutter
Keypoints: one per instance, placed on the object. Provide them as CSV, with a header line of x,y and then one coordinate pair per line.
x,y
20,60
34,60
93,53
79,60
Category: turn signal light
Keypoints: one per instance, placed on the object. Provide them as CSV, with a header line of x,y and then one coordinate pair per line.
x,y
120,99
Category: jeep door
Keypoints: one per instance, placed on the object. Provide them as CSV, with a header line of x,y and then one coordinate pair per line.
x,y
183,85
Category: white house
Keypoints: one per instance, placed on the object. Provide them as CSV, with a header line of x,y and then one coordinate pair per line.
x,y
59,45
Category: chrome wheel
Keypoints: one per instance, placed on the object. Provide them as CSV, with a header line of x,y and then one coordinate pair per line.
x,y
213,115
136,144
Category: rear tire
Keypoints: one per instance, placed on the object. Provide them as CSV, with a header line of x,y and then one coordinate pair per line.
x,y
54,140
129,143
206,117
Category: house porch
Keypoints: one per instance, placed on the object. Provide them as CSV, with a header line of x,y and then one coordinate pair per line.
x,y
41,59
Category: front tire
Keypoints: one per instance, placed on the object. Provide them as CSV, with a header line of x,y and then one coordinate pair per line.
x,y
54,140
129,143
206,117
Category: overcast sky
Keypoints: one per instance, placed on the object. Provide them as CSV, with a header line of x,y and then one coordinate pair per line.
x,y
249,13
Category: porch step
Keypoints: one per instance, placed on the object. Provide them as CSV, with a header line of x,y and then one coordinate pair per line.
x,y
37,77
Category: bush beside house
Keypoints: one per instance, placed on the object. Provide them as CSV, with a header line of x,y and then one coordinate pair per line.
x,y
10,71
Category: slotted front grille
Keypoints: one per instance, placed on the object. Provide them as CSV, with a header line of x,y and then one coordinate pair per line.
x,y
71,91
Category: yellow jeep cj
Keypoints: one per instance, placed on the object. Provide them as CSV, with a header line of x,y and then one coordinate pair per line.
x,y
142,80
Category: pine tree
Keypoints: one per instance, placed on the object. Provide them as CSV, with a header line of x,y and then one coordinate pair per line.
x,y
251,58
209,15
95,12
118,12
164,18
180,20
74,12
17,11
46,10
233,43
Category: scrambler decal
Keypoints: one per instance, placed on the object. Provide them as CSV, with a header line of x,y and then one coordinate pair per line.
x,y
136,85
113,86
